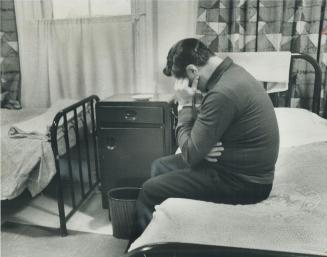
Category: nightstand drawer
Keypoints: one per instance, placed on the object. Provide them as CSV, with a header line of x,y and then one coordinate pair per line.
x,y
130,114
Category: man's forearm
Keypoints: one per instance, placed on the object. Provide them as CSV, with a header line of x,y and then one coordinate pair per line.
x,y
184,124
183,130
197,135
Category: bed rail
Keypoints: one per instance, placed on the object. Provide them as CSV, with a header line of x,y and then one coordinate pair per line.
x,y
197,250
87,104
317,83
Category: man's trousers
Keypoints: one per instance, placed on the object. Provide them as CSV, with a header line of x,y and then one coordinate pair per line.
x,y
171,176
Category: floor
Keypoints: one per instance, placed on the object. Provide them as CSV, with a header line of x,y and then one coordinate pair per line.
x,y
30,228
19,240
43,211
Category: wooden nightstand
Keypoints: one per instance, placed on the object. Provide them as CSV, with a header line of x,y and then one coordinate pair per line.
x,y
131,135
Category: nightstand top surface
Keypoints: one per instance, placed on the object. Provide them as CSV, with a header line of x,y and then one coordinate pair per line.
x,y
129,98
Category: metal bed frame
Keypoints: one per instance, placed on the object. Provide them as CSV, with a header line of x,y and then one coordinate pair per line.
x,y
200,250
172,249
87,102
317,83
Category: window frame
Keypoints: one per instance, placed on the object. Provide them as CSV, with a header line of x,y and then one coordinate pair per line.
x,y
144,38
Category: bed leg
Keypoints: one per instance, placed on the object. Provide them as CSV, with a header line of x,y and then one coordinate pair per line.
x,y
62,218
105,203
63,230
61,207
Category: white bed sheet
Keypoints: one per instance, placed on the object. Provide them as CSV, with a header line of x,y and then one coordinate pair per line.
x,y
292,219
28,162
22,160
299,127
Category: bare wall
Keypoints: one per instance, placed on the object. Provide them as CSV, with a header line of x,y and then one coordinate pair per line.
x,y
176,19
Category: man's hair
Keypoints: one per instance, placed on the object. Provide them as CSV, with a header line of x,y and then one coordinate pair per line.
x,y
185,52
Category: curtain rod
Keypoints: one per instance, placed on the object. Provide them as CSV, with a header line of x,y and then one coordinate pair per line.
x,y
133,18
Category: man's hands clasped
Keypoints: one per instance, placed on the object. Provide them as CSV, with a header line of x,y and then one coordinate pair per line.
x,y
215,152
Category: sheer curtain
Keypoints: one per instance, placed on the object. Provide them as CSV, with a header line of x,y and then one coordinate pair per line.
x,y
32,53
89,56
72,58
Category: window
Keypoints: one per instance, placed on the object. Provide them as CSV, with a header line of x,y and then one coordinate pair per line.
x,y
110,7
141,15
63,9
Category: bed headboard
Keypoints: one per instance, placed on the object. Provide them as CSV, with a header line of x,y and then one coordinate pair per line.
x,y
317,82
316,99
276,67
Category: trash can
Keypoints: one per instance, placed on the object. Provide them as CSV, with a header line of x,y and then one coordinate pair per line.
x,y
122,211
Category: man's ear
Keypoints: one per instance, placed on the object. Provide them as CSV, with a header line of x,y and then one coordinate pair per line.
x,y
192,71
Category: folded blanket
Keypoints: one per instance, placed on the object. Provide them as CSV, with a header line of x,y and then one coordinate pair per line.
x,y
270,67
39,127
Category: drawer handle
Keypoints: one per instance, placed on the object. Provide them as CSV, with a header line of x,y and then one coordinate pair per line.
x,y
130,115
111,144
111,147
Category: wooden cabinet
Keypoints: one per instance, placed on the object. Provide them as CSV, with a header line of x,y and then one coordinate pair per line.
x,y
131,134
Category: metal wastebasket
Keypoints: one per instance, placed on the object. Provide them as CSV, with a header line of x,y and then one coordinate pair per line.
x,y
122,210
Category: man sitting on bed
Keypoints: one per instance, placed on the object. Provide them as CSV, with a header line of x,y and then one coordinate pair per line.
x,y
236,111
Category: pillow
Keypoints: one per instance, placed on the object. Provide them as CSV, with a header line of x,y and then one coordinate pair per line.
x,y
299,127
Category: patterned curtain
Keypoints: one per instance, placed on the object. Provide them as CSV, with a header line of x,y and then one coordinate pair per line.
x,y
270,25
9,60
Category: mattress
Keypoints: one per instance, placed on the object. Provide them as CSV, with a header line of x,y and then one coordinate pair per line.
x,y
292,219
20,158
28,162
299,127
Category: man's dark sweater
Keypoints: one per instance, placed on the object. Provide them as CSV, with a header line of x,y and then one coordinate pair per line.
x,y
237,112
